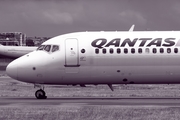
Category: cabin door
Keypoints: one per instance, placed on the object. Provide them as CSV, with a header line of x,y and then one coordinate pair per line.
x,y
71,53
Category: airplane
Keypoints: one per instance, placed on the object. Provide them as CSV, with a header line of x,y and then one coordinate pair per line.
x,y
15,51
106,57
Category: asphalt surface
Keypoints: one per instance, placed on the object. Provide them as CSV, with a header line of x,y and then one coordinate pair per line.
x,y
168,102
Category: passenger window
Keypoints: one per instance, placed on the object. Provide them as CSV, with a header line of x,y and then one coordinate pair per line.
x,y
133,50
97,51
47,48
161,50
154,50
111,50
175,50
118,50
40,47
125,50
168,50
147,50
55,48
140,50
104,50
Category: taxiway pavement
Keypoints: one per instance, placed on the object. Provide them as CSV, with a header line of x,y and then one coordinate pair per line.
x,y
168,102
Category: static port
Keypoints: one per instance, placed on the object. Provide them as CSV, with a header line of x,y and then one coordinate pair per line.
x,y
34,68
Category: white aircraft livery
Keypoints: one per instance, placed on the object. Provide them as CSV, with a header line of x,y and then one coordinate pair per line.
x,y
82,58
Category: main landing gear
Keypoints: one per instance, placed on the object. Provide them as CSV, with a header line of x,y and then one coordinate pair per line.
x,y
40,94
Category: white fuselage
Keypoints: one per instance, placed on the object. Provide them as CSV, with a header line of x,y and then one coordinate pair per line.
x,y
103,58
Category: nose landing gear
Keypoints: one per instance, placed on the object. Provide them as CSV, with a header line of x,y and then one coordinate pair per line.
x,y
40,94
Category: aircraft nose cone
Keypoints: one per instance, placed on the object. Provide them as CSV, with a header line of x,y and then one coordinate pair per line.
x,y
11,70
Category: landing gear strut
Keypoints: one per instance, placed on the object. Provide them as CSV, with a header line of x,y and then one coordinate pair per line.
x,y
40,94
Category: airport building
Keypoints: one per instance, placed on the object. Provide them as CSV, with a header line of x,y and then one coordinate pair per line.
x,y
13,39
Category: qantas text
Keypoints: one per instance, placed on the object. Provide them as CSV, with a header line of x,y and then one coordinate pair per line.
x,y
141,42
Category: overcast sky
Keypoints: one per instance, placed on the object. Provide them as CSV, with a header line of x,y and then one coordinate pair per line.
x,y
54,17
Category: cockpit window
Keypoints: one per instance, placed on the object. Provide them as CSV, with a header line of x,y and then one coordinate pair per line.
x,y
55,48
41,47
47,48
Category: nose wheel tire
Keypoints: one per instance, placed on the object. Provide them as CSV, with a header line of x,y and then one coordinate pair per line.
x,y
40,94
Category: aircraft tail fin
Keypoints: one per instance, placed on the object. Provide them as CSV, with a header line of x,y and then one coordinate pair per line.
x,y
132,28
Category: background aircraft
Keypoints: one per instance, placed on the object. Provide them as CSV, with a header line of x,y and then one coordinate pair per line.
x,y
15,51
